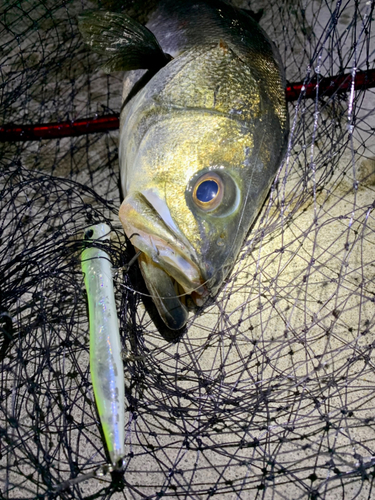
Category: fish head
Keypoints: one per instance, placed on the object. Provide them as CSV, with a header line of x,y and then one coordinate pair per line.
x,y
194,178
188,207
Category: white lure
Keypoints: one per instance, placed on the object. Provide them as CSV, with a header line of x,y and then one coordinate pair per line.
x,y
106,366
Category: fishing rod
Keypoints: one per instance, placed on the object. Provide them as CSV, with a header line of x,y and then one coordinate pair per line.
x,y
324,87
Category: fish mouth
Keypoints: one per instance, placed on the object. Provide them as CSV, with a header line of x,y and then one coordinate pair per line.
x,y
168,262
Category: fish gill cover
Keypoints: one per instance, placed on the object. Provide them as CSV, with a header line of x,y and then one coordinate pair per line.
x,y
270,393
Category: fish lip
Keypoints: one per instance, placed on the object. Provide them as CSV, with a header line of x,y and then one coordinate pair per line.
x,y
164,244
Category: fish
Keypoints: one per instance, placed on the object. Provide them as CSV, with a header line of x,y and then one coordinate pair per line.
x,y
203,130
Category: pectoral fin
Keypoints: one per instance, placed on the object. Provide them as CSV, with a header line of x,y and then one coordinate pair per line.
x,y
125,43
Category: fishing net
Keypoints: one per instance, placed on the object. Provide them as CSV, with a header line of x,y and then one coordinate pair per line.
x,y
270,391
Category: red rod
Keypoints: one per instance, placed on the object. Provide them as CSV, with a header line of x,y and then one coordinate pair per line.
x,y
58,130
327,87
330,85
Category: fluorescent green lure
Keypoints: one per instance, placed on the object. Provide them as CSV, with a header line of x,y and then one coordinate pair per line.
x,y
106,367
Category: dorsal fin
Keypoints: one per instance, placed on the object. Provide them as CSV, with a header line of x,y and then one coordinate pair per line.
x,y
124,43
139,10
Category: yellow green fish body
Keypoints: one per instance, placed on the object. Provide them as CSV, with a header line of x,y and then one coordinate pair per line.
x,y
200,142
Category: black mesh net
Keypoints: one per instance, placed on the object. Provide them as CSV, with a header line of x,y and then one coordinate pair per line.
x,y
270,392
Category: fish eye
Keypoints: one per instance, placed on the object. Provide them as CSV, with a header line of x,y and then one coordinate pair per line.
x,y
208,191
213,191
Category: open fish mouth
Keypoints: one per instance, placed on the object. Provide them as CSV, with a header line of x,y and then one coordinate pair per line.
x,y
168,262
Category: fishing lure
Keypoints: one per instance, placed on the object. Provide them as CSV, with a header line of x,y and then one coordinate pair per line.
x,y
106,366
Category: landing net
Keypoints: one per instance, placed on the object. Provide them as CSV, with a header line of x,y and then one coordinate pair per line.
x,y
270,393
